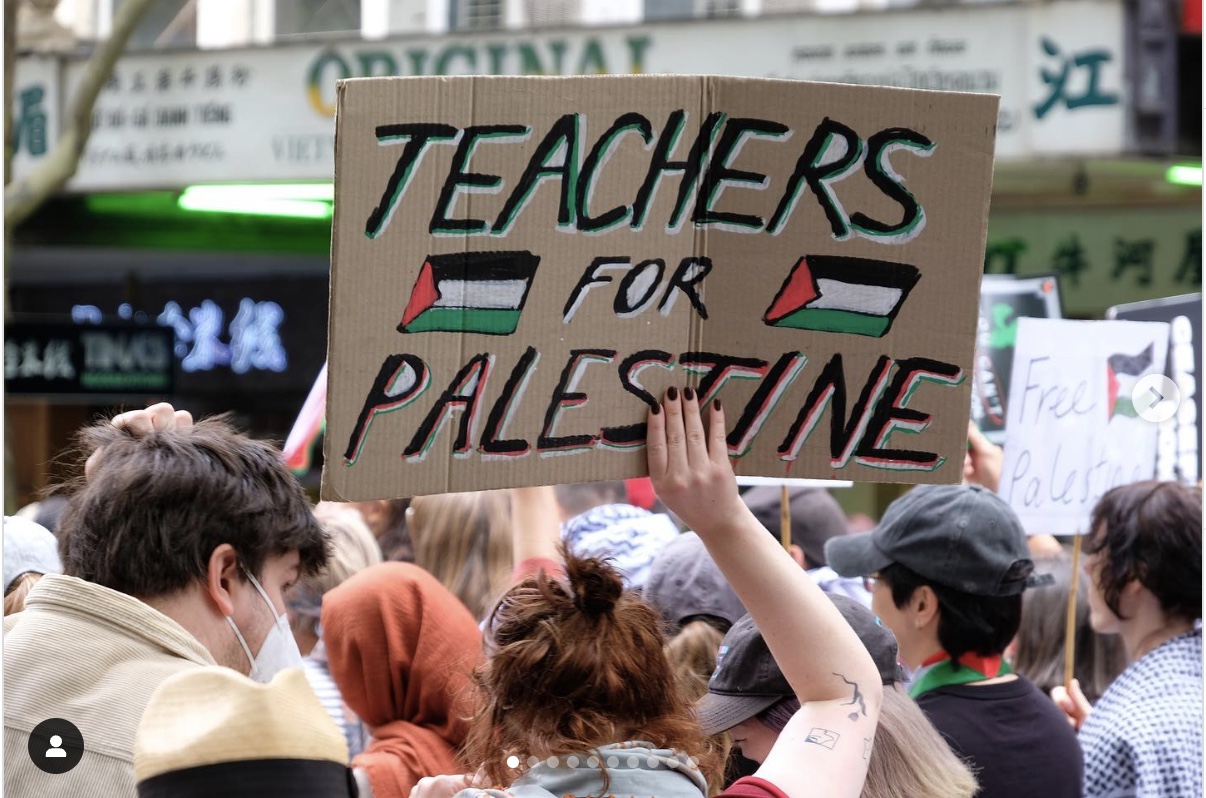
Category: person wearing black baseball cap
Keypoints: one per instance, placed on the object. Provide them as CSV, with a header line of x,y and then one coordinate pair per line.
x,y
749,697
946,568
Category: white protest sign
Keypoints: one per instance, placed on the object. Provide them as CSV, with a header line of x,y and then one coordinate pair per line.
x,y
1075,429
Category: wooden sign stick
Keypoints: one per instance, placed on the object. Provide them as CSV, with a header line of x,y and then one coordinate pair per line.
x,y
1070,632
785,519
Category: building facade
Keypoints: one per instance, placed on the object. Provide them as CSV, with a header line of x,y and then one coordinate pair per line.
x,y
1099,106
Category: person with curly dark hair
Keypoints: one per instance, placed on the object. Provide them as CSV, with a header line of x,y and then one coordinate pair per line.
x,y
1144,567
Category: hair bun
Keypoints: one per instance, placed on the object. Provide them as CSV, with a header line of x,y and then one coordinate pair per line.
x,y
596,585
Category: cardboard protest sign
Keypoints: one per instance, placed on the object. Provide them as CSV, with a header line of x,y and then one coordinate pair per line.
x,y
1178,448
520,265
1074,429
1004,300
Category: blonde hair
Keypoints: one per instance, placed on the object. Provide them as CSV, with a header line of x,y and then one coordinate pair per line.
x,y
692,655
464,541
910,758
352,548
14,599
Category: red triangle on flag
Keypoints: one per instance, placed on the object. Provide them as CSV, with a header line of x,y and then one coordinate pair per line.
x,y
1111,392
797,292
422,296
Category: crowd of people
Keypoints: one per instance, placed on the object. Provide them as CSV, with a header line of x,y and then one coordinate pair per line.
x,y
210,631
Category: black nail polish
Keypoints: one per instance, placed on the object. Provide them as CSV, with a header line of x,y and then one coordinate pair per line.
x,y
715,404
655,409
689,394
672,394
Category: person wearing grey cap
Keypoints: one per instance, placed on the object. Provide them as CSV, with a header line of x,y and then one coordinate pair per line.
x,y
946,568
749,698
30,551
685,584
697,605
815,518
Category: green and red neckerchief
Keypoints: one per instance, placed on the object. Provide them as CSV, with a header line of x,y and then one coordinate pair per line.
x,y
939,671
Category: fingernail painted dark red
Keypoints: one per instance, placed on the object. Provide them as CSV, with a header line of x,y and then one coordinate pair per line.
x,y
689,394
672,394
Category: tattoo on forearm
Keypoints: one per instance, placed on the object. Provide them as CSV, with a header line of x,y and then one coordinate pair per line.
x,y
822,737
857,698
866,749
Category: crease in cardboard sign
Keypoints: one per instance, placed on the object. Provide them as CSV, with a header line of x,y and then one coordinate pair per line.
x,y
824,286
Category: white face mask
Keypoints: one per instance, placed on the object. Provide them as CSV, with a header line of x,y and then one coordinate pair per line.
x,y
279,650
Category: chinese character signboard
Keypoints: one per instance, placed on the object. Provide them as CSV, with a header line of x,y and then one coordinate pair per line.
x,y
230,335
63,359
522,265
165,120
1102,257
35,111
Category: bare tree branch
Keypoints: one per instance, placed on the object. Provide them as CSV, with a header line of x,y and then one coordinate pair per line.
x,y
22,197
10,67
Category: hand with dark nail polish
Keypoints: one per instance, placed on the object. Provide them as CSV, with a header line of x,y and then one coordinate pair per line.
x,y
689,394
672,394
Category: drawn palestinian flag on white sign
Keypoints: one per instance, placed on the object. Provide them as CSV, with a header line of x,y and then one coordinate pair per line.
x,y
1122,373
829,293
470,292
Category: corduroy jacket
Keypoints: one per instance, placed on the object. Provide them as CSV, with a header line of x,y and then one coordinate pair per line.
x,y
92,656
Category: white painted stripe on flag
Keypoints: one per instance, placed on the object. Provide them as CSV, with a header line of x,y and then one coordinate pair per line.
x,y
492,294
875,300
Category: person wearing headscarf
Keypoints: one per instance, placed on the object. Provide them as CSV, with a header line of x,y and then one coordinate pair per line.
x,y
30,552
402,650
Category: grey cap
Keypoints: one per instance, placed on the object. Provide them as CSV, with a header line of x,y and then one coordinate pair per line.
x,y
685,582
815,517
28,547
747,679
960,536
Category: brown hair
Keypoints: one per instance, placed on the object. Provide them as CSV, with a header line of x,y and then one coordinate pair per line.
x,y
14,597
909,758
575,666
146,523
1151,532
1039,652
464,540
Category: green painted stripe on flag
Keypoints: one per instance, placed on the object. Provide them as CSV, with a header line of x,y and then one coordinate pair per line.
x,y
838,321
1123,406
488,321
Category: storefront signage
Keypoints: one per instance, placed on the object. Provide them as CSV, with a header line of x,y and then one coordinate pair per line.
x,y
166,120
65,359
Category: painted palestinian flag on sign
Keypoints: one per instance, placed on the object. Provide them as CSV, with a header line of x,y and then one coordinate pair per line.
x,y
470,292
829,293
1122,372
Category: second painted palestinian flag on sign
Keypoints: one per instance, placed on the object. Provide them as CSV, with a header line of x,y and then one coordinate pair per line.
x,y
470,292
1122,373
830,293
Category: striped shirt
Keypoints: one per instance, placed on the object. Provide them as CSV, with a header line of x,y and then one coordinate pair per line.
x,y
319,677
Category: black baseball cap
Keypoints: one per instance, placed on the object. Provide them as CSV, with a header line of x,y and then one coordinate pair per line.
x,y
747,679
960,536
